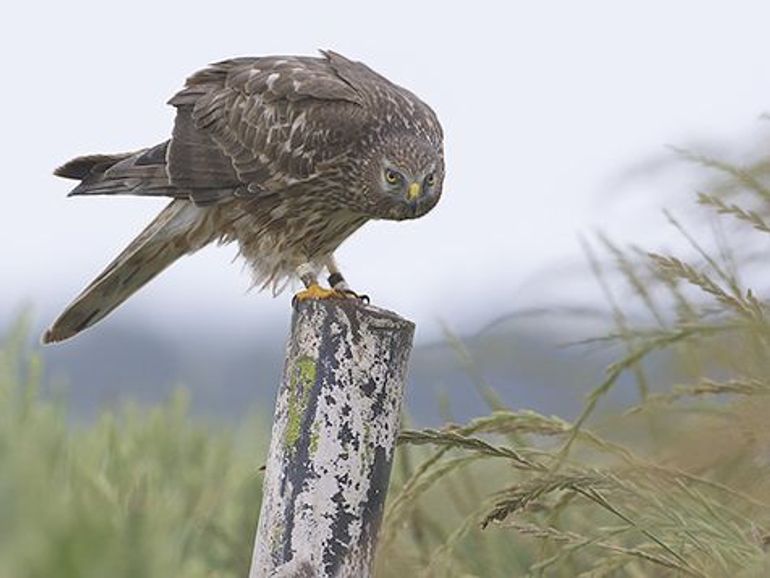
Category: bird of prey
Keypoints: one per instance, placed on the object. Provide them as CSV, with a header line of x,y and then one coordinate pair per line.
x,y
285,155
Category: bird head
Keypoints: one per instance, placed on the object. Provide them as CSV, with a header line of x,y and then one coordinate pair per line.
x,y
405,178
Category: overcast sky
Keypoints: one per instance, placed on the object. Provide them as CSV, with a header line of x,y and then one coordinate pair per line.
x,y
545,105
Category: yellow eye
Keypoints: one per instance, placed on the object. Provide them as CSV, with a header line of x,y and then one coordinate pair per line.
x,y
430,180
392,176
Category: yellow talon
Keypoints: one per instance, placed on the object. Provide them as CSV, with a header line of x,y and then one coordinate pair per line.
x,y
315,291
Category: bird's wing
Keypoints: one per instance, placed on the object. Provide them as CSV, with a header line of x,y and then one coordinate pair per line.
x,y
261,125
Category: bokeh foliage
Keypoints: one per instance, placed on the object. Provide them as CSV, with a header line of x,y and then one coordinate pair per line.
x,y
150,493
674,484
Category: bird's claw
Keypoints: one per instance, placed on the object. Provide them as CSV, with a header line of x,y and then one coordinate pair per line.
x,y
350,294
315,291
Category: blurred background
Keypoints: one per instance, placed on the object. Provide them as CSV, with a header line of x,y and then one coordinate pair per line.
x,y
558,120
580,138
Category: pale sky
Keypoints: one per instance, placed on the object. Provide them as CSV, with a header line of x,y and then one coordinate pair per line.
x,y
544,106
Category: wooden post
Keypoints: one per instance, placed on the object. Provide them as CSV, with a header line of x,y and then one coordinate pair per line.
x,y
334,434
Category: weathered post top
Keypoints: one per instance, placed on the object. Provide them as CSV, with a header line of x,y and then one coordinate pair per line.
x,y
334,433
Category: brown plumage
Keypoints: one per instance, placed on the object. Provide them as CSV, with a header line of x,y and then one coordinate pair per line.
x,y
286,155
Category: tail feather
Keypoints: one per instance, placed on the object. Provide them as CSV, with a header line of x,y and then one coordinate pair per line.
x,y
141,172
81,167
169,236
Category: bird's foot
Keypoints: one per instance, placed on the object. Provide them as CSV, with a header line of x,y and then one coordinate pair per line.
x,y
315,291
350,294
337,282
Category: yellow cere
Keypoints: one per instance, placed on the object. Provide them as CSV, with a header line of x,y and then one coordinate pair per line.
x,y
414,191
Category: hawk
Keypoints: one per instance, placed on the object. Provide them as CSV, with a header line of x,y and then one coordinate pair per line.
x,y
285,155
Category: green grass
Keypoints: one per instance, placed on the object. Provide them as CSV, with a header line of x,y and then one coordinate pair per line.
x,y
676,484
139,493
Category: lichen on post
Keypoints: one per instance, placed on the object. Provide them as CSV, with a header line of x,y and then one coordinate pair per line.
x,y
334,434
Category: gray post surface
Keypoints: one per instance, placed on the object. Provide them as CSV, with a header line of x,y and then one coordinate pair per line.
x,y
334,433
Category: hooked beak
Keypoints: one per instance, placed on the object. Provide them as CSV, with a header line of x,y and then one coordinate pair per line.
x,y
414,191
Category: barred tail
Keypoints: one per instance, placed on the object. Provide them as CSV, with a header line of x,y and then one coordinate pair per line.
x,y
168,237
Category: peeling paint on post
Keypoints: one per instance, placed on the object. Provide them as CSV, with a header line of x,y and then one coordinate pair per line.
x,y
334,434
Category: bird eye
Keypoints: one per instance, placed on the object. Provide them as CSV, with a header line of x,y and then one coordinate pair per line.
x,y
430,180
392,176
